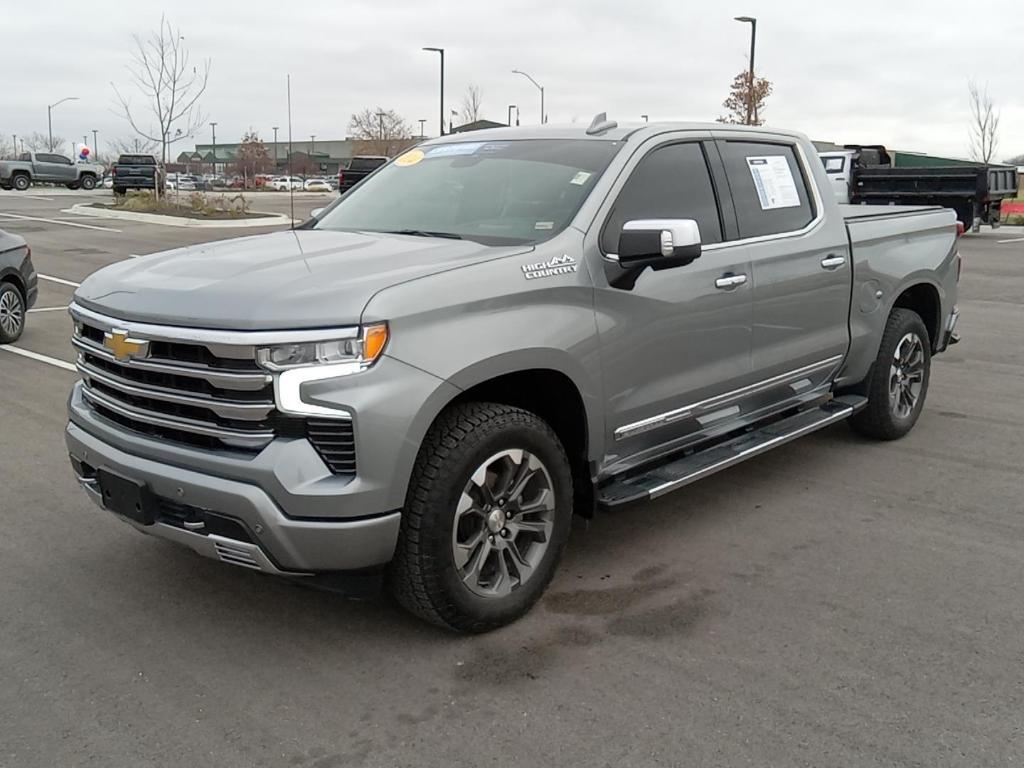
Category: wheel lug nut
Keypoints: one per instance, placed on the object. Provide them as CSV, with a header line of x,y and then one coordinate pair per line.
x,y
491,538
504,533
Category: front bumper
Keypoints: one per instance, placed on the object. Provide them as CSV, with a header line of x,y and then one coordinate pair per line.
x,y
235,522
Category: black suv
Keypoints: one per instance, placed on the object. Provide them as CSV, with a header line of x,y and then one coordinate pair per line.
x,y
18,287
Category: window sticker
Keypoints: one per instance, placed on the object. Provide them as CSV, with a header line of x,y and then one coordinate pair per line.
x,y
452,150
580,178
411,157
774,182
544,225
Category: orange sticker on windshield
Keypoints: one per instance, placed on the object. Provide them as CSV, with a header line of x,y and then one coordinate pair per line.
x,y
411,157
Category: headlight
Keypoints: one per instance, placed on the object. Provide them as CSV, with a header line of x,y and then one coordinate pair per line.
x,y
305,362
361,351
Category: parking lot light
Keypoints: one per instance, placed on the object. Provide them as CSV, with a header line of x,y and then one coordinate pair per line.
x,y
49,118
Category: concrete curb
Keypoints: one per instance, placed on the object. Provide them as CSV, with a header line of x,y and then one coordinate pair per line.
x,y
268,220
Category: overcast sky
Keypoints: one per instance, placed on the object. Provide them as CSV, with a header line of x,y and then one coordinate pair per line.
x,y
868,72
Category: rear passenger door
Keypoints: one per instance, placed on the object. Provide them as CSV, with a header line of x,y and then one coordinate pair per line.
x,y
800,263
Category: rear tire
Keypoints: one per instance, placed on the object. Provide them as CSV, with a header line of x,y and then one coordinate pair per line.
x,y
21,182
486,518
12,313
898,383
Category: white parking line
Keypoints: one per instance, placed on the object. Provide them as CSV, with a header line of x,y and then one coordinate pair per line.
x,y
1014,240
60,280
48,309
58,221
41,358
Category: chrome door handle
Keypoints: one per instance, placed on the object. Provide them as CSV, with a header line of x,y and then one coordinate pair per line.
x,y
730,281
833,262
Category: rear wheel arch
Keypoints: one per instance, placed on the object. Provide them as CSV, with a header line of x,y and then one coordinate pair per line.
x,y
923,298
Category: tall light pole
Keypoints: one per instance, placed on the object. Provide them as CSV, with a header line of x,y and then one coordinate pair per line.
x,y
95,145
644,117
380,125
274,129
49,118
510,108
421,122
15,146
543,117
312,144
440,51
751,106
213,127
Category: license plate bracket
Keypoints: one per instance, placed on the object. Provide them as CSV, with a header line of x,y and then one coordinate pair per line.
x,y
126,497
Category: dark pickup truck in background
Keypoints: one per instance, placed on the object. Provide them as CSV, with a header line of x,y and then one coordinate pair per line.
x,y
136,172
358,169
872,175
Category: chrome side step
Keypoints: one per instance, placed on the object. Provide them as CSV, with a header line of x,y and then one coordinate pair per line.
x,y
669,477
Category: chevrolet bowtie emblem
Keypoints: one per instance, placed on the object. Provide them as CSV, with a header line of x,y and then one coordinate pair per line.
x,y
123,347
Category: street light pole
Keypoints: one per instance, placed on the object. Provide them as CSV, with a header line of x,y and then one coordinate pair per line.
x,y
421,122
274,129
312,144
510,108
751,105
440,51
49,118
95,145
644,117
543,116
213,126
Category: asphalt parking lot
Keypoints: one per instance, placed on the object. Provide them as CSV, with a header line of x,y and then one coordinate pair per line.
x,y
836,602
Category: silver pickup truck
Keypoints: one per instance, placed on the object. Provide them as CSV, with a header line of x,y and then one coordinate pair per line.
x,y
31,167
491,333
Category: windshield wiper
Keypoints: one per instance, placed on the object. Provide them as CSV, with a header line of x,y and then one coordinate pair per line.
x,y
423,233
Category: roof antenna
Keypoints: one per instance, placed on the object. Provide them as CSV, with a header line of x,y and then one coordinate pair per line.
x,y
600,124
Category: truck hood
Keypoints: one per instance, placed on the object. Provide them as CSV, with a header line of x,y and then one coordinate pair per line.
x,y
294,279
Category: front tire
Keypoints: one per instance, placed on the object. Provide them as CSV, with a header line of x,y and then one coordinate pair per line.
x,y
898,383
88,182
12,313
486,518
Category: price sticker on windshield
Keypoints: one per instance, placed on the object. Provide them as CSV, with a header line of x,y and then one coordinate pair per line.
x,y
411,157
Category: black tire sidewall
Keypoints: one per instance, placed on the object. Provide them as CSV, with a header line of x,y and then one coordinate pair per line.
x,y
88,183
4,338
878,419
481,444
21,182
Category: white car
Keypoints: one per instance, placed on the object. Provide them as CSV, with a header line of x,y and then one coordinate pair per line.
x,y
284,183
316,185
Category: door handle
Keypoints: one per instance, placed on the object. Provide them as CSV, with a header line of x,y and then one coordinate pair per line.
x,y
726,282
833,262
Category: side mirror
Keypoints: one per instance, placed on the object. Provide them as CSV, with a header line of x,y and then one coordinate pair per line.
x,y
315,213
658,243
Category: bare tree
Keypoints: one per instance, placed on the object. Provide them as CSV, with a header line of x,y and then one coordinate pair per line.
x,y
170,87
984,123
739,100
7,149
472,101
380,131
134,146
40,142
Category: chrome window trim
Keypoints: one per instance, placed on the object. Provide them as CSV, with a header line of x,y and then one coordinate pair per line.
x,y
180,335
719,401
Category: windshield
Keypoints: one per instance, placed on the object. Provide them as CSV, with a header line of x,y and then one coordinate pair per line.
x,y
493,192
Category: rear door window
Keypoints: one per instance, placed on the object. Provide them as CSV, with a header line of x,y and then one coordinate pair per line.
x,y
768,187
671,182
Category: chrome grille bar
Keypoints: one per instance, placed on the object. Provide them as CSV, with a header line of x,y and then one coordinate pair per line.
x,y
228,409
237,437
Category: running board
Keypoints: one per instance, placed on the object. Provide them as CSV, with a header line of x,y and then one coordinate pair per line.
x,y
666,478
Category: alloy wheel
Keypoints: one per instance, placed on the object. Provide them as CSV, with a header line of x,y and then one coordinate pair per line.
x,y
12,313
503,523
906,375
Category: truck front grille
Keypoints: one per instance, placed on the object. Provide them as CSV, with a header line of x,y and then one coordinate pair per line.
x,y
206,394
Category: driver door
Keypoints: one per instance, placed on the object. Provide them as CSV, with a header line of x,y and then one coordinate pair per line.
x,y
679,337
